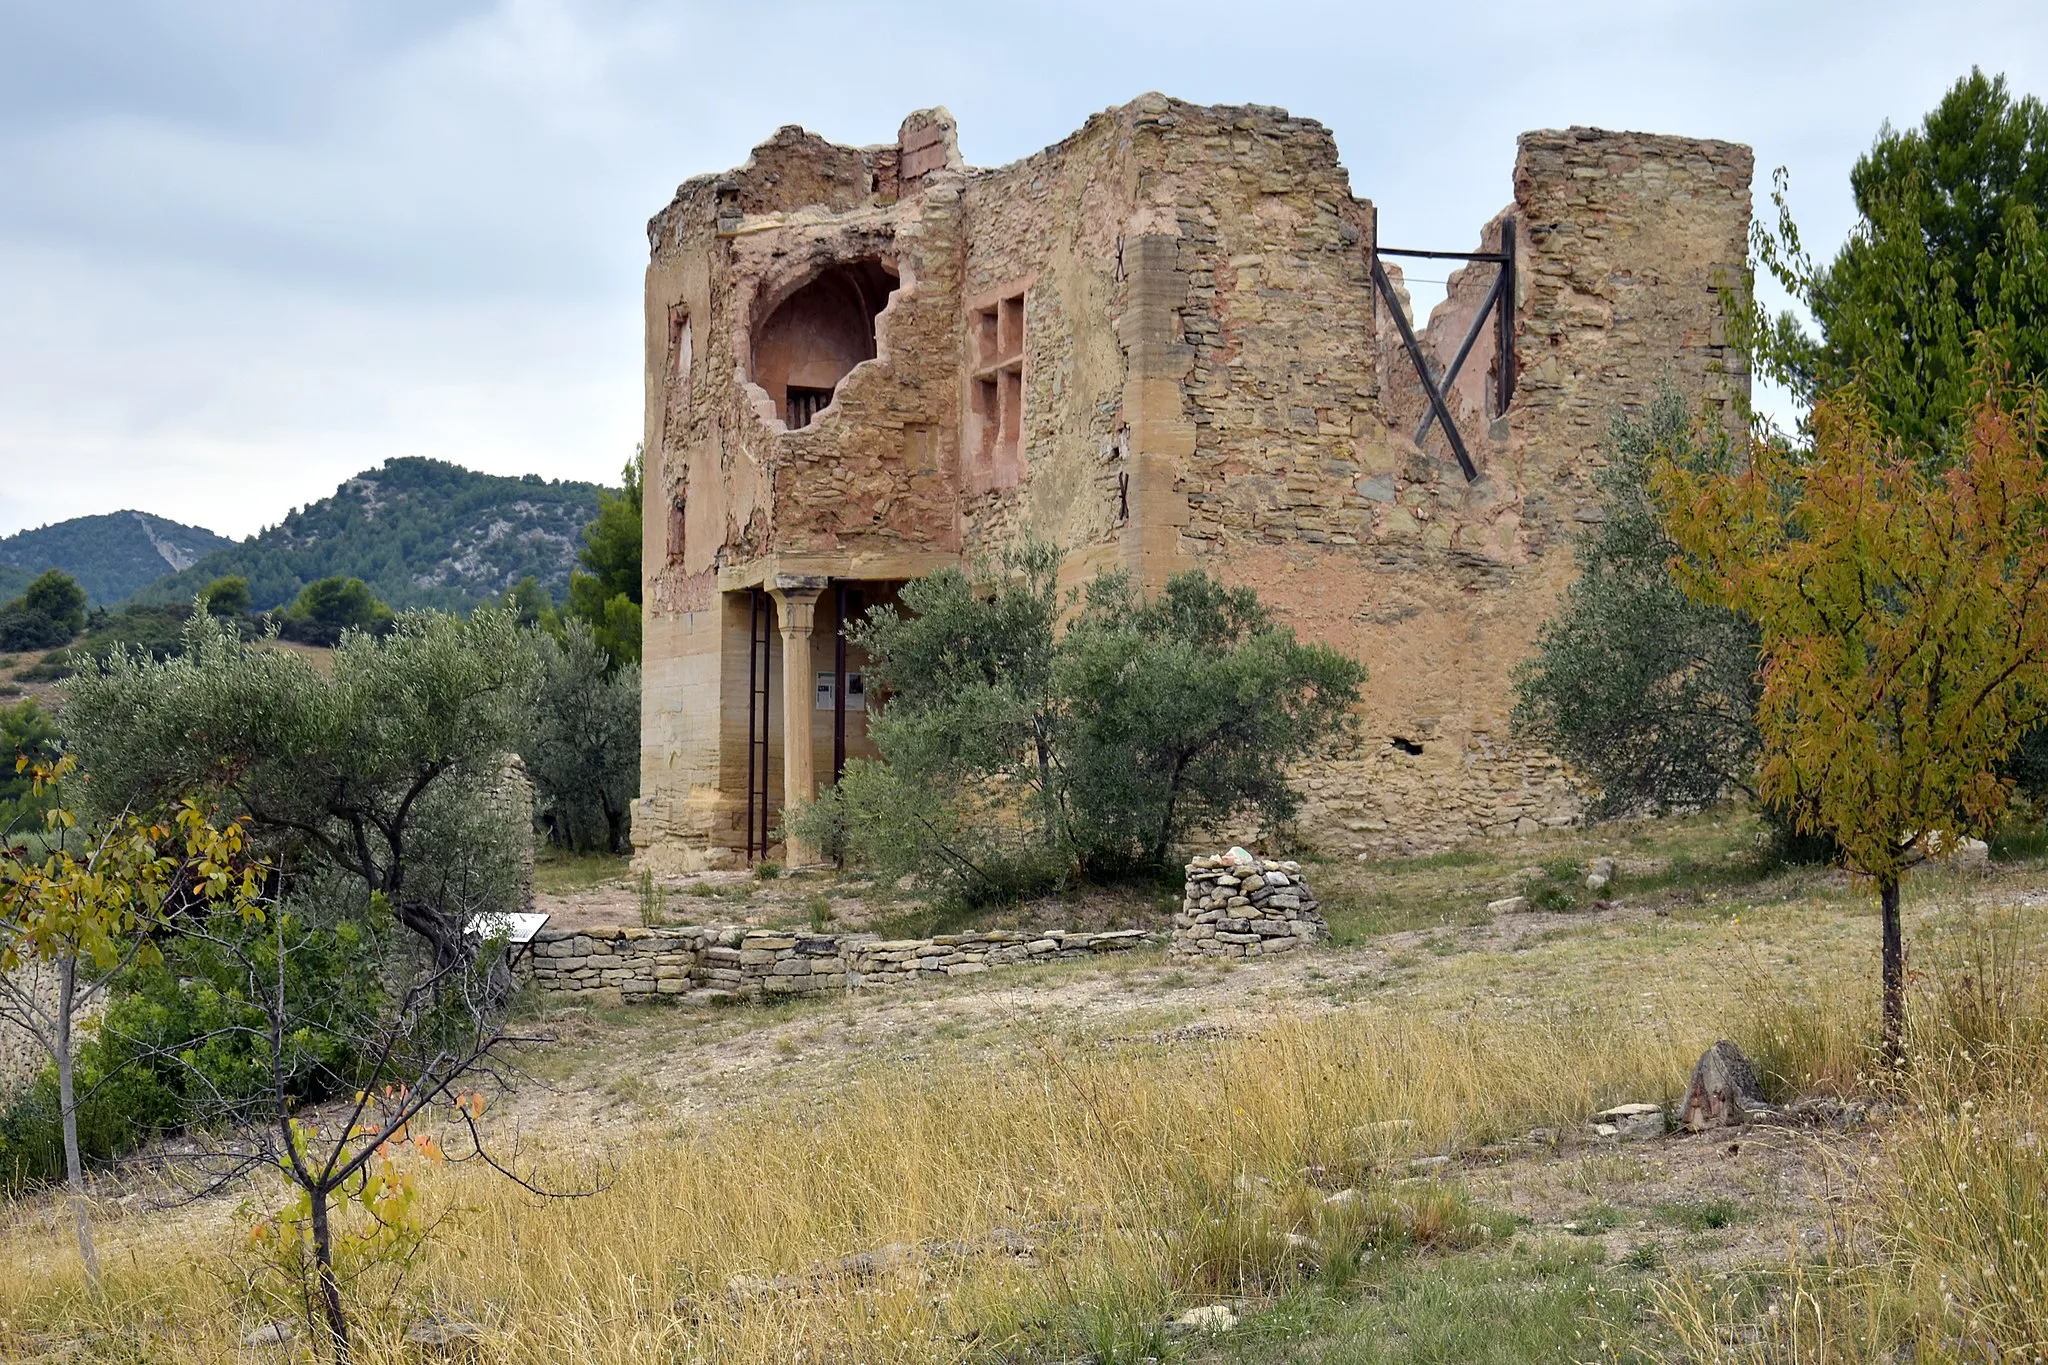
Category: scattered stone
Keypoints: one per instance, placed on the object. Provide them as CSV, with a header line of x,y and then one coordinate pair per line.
x,y
271,1334
1601,875
1344,1199
1508,905
1723,1092
1210,1317
1428,1163
1829,1111
1631,1120
449,1337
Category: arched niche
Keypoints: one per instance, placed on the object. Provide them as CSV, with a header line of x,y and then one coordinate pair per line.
x,y
824,328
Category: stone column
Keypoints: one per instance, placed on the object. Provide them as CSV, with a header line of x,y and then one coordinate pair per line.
x,y
794,608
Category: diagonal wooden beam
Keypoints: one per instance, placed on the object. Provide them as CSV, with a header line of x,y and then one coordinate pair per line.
x,y
1436,400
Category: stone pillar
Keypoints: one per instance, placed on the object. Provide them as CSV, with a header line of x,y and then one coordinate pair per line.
x,y
795,606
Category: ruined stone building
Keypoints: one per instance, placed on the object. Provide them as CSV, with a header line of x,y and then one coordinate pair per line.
x,y
1159,344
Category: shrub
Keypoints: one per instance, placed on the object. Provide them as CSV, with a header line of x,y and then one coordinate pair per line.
x,y
49,612
177,1039
26,731
1016,756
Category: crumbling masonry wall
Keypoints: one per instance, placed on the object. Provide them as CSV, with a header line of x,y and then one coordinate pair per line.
x,y
1626,244
1204,377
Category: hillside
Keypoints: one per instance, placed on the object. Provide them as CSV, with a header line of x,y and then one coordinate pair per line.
x,y
421,533
113,555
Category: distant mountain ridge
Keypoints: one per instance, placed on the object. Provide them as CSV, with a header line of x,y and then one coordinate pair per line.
x,y
420,532
112,555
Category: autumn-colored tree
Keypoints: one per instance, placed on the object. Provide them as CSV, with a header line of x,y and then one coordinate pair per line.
x,y
1904,624
75,906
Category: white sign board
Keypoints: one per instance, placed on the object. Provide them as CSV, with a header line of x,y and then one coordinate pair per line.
x,y
515,927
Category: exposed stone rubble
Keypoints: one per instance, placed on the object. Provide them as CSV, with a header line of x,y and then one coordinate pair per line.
x,y
1629,1121
1237,905
713,962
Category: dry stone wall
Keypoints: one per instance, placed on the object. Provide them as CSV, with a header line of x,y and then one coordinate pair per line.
x,y
713,962
1237,905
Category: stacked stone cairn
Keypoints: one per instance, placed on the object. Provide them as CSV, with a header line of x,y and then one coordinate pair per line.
x,y
1238,905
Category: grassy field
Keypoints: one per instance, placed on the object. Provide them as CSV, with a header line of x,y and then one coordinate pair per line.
x,y
1377,1152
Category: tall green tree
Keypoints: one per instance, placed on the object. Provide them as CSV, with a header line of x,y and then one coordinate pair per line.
x,y
1648,694
228,596
583,750
49,612
1904,624
608,596
340,603
1948,244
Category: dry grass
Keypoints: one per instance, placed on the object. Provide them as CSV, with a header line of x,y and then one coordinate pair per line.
x,y
1941,1246
1147,1176
1145,1179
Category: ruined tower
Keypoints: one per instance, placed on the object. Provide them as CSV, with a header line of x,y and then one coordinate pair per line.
x,y
1159,345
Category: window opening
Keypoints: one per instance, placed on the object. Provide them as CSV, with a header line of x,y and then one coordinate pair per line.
x,y
805,404
675,530
996,400
806,344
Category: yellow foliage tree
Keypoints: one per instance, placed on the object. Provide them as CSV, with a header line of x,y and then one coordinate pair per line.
x,y
1904,622
77,906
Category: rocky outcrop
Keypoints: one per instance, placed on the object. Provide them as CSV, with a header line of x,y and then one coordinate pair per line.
x,y
1724,1091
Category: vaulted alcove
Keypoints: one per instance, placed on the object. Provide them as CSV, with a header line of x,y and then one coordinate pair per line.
x,y
811,339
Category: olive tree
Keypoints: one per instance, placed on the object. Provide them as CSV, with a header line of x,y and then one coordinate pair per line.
x,y
1016,754
583,751
1649,695
370,765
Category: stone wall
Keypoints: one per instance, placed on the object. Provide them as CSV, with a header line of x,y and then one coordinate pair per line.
x,y
1236,905
1207,379
712,962
1626,244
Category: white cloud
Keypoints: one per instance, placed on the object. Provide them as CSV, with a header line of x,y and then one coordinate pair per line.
x,y
245,257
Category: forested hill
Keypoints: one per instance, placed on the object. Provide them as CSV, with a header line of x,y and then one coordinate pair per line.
x,y
111,555
421,533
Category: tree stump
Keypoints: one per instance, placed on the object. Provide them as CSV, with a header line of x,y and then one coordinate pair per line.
x,y
1724,1091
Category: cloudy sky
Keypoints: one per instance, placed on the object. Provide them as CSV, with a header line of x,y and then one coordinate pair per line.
x,y
250,247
